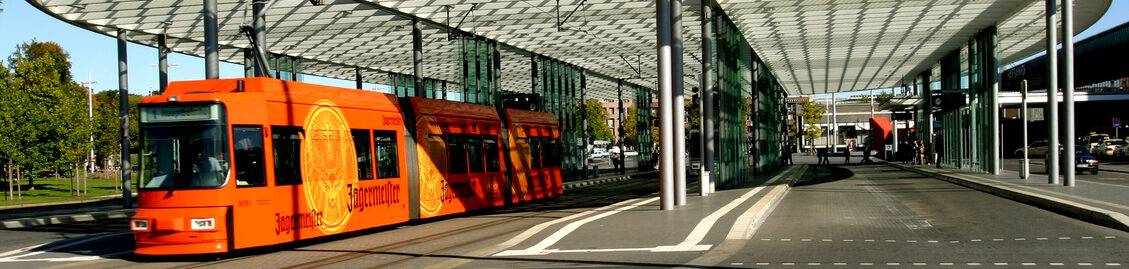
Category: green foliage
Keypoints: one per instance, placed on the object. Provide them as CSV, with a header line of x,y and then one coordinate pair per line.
x,y
630,128
693,115
812,114
45,109
107,125
883,98
597,120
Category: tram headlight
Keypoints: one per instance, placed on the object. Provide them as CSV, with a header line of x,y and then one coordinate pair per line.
x,y
203,224
139,225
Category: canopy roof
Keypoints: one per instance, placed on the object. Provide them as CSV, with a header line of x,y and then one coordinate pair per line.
x,y
813,46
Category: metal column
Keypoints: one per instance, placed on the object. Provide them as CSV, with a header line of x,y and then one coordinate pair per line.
x,y
992,68
1068,92
619,133
248,63
704,180
666,126
835,125
162,62
1025,167
417,58
357,69
678,103
583,124
211,42
123,110
1052,95
259,32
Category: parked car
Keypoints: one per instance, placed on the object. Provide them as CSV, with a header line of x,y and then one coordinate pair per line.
x,y
598,153
1038,149
1092,141
1083,161
1110,147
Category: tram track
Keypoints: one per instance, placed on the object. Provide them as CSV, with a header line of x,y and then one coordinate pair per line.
x,y
583,197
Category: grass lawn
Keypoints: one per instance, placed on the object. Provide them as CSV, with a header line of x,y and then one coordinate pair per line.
x,y
48,190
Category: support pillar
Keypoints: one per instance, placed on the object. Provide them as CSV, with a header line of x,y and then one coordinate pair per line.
x,y
123,115
162,62
211,41
707,90
1025,167
619,133
1068,92
417,58
992,75
666,126
1052,94
248,63
259,33
678,102
583,124
358,71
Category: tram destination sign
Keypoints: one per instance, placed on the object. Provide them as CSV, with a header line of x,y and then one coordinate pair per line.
x,y
179,113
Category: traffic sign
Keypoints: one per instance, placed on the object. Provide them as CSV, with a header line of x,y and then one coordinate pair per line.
x,y
1116,121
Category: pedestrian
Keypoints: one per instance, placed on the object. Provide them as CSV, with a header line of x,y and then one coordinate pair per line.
x,y
846,155
786,156
866,153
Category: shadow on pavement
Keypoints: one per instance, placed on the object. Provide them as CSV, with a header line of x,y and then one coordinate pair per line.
x,y
819,174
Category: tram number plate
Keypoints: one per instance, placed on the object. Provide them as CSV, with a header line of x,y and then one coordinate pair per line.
x,y
243,203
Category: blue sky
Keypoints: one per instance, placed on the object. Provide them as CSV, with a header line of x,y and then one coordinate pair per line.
x,y
97,54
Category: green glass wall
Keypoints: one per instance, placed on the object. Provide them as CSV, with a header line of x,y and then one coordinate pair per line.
x,y
964,138
644,128
558,87
480,70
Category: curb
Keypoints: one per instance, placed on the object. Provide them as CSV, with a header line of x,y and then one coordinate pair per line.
x,y
598,181
66,219
1071,209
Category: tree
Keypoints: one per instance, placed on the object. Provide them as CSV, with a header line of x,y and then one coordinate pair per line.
x,y
630,128
812,114
107,125
45,108
597,121
882,98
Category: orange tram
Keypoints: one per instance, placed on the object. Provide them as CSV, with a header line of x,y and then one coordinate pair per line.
x,y
237,163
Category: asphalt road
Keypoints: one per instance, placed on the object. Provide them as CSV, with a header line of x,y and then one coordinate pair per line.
x,y
880,216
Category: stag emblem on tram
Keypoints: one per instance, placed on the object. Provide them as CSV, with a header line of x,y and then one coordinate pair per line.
x,y
326,161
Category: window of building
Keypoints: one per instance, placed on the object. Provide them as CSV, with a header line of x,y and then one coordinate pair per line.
x,y
364,154
287,143
387,154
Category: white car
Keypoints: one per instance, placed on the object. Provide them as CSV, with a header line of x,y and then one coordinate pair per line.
x,y
598,153
1110,147
1039,148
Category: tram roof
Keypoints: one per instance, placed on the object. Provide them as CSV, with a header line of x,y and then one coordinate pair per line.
x,y
813,46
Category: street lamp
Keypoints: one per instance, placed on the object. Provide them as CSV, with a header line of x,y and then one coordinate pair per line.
x,y
90,110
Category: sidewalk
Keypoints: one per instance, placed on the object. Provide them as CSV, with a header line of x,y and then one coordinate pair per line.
x,y
1099,203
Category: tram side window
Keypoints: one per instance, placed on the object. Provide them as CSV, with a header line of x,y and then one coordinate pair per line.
x,y
250,170
535,152
490,146
386,154
364,154
456,153
287,143
552,151
474,153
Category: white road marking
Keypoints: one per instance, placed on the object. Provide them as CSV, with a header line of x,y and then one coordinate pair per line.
x,y
1057,264
706,224
1029,264
866,264
10,257
539,249
1085,264
947,264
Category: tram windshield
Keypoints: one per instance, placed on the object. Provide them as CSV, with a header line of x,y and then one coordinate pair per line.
x,y
183,147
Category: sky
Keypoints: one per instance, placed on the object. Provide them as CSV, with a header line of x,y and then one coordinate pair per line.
x,y
94,55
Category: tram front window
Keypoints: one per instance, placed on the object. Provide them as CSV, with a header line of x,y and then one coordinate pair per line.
x,y
186,151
